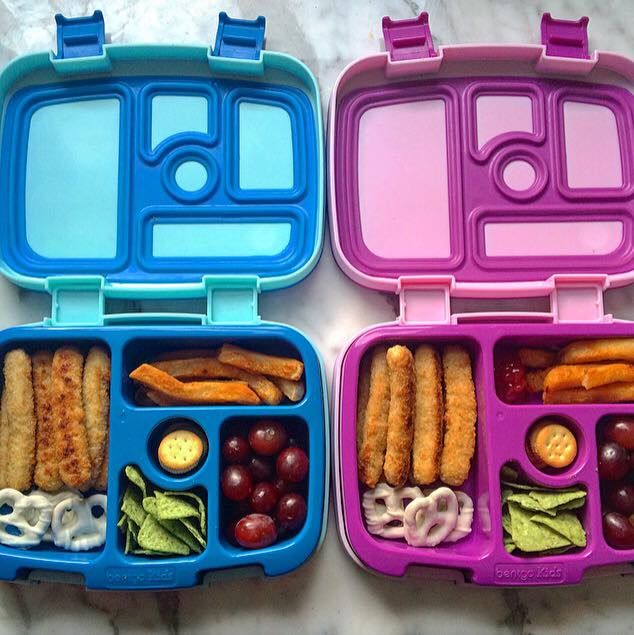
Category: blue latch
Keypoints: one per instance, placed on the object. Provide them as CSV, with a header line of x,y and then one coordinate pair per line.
x,y
80,37
243,39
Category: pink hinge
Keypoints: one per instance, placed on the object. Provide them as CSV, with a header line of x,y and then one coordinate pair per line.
x,y
579,298
565,38
425,299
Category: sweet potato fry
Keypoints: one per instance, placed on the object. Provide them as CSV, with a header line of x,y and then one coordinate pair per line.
x,y
212,368
564,377
292,390
196,392
603,374
535,379
272,365
611,393
537,357
612,349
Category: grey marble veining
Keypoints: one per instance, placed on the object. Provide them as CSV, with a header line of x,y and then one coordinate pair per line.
x,y
329,595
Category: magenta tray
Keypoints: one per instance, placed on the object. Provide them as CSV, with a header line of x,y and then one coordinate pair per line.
x,y
484,171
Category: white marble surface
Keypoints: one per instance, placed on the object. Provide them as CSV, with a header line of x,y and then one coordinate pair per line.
x,y
330,594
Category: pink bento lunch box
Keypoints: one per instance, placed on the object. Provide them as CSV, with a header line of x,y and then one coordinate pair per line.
x,y
484,171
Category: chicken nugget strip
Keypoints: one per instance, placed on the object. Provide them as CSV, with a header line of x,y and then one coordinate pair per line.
x,y
195,392
75,467
460,416
535,379
428,415
537,358
4,440
400,431
372,455
615,349
272,365
46,475
96,394
292,390
20,409
212,368
363,394
611,393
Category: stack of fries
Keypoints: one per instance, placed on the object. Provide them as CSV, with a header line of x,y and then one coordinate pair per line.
x,y
587,371
228,375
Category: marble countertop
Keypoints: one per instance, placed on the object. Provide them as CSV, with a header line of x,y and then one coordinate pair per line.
x,y
330,594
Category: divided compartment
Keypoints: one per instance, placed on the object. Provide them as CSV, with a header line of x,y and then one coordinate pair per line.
x,y
394,557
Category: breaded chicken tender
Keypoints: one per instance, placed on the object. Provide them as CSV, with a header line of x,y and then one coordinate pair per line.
x,y
20,412
75,468
460,416
400,431
46,475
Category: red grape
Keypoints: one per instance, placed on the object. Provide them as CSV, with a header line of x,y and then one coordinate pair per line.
x,y
284,487
235,449
236,482
620,498
256,531
510,378
263,498
291,512
261,469
618,531
267,437
621,431
292,465
614,461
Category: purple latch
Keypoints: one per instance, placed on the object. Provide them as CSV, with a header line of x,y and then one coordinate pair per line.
x,y
565,38
408,39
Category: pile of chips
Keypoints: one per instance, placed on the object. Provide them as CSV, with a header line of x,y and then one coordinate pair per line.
x,y
157,523
542,521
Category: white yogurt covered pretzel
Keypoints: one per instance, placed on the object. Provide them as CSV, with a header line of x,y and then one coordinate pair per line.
x,y
74,526
465,518
384,508
428,520
30,517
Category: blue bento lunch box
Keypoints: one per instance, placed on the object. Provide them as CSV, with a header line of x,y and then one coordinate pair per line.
x,y
165,172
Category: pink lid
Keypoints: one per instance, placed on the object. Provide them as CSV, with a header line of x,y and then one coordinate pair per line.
x,y
498,167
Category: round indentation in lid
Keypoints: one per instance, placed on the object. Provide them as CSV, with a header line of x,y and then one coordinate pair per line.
x,y
191,176
519,175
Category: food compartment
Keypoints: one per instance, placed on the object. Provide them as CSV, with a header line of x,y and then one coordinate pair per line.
x,y
219,371
54,433
390,553
265,482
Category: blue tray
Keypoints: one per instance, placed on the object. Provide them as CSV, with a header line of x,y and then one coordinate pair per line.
x,y
165,172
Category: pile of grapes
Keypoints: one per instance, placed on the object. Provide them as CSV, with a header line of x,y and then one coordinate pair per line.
x,y
264,483
616,471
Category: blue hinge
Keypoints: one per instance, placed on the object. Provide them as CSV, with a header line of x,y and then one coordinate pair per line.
x,y
80,37
241,39
76,300
232,299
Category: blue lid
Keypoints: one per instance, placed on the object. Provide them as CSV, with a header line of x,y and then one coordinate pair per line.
x,y
155,168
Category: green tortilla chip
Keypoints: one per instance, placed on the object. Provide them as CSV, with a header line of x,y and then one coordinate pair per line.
x,y
509,545
149,505
145,552
531,536
528,502
177,528
201,506
154,537
131,506
574,504
505,494
134,528
172,508
566,524
190,525
136,478
554,498
130,538
537,488
123,521
506,520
